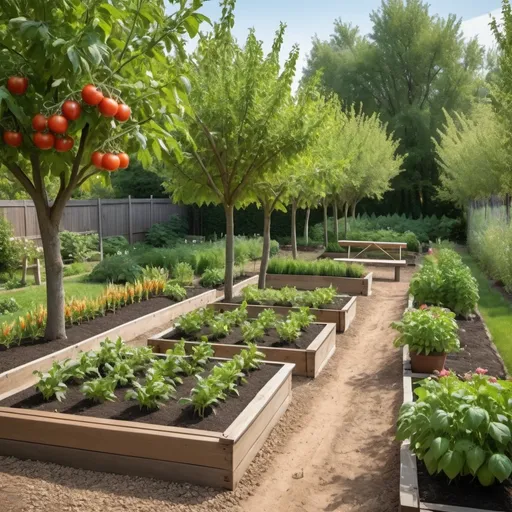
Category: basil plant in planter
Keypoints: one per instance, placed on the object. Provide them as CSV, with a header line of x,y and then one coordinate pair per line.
x,y
431,333
461,427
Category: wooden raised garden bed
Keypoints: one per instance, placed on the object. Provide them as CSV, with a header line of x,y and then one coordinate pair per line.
x,y
208,456
342,316
309,361
349,285
23,375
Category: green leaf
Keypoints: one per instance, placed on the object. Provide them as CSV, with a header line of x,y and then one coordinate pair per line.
x,y
475,458
57,82
499,432
463,445
95,54
440,420
485,476
439,446
192,26
430,462
73,58
451,463
474,417
500,466
58,42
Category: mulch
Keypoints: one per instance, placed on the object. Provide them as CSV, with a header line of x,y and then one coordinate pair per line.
x,y
34,349
271,338
338,303
170,414
476,350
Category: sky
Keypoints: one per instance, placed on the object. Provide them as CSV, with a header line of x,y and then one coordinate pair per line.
x,y
307,18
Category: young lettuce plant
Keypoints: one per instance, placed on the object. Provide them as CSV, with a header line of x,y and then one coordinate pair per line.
x,y
52,382
138,357
220,327
122,373
267,319
154,393
252,331
288,331
249,358
200,356
302,318
175,292
461,427
204,395
169,367
228,375
190,323
111,351
100,390
86,366
238,316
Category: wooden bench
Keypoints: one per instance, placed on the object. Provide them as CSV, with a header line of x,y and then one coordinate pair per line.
x,y
382,246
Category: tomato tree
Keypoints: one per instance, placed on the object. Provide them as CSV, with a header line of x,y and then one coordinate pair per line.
x,y
83,78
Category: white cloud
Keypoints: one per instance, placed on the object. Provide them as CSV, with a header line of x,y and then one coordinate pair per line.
x,y
479,27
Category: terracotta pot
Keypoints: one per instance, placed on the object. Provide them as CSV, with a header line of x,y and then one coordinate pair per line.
x,y
421,363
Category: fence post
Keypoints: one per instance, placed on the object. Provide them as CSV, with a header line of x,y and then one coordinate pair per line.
x,y
130,227
150,210
100,229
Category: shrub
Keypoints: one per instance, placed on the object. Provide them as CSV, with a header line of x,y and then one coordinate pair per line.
x,y
8,305
183,273
315,268
461,427
274,248
211,258
77,247
212,277
445,281
160,258
75,269
175,292
115,244
167,234
116,269
428,330
10,257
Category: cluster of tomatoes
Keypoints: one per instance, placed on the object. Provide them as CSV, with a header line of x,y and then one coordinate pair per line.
x,y
51,132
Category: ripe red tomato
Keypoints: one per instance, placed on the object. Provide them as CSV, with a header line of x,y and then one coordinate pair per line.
x,y
64,144
96,159
13,139
91,95
44,141
39,123
17,85
124,160
123,113
108,107
57,124
71,110
110,162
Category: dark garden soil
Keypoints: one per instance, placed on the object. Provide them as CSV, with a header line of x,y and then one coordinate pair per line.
x,y
463,492
338,303
476,350
34,349
237,279
271,338
170,414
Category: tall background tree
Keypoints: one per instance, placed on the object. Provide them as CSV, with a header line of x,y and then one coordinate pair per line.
x,y
50,52
408,69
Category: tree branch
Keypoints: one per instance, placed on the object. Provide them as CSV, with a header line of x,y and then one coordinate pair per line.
x,y
128,39
17,172
208,175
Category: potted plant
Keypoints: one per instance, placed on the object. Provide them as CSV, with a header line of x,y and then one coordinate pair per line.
x,y
430,333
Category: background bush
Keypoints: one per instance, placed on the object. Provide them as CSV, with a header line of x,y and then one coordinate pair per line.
x,y
77,247
116,269
114,244
168,234
10,257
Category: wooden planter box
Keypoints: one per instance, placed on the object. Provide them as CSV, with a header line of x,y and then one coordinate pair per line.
x,y
341,317
216,459
22,376
308,362
349,285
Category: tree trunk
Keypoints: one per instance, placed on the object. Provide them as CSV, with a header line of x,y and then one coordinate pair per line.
x,y
230,252
336,223
353,211
55,326
267,215
346,222
306,226
507,207
326,230
294,230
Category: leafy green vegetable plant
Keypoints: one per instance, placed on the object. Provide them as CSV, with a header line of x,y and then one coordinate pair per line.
x,y
86,366
199,357
170,367
52,382
250,358
121,372
154,393
428,330
190,323
100,390
267,319
289,296
204,395
302,318
212,277
175,292
183,273
253,331
315,268
288,331
220,327
237,316
111,351
461,427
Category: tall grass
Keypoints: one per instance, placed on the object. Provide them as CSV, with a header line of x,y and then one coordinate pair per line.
x,y
315,268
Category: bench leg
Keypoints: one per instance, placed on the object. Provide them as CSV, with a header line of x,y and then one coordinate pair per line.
x,y
397,273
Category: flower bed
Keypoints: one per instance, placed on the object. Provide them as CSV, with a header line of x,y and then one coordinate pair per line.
x,y
168,439
323,303
294,339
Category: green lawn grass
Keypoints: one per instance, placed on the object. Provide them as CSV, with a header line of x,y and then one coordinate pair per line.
x,y
496,310
32,296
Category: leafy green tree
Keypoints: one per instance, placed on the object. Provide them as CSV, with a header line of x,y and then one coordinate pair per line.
x,y
408,69
243,122
121,46
138,182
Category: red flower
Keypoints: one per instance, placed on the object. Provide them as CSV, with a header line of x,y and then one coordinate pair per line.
x,y
423,306
444,373
481,371
492,379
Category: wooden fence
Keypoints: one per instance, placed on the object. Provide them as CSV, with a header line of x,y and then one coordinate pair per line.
x,y
131,218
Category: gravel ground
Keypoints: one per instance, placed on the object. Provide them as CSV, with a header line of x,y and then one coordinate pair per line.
x,y
35,486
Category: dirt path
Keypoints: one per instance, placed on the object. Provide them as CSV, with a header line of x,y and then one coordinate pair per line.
x,y
332,451
344,457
